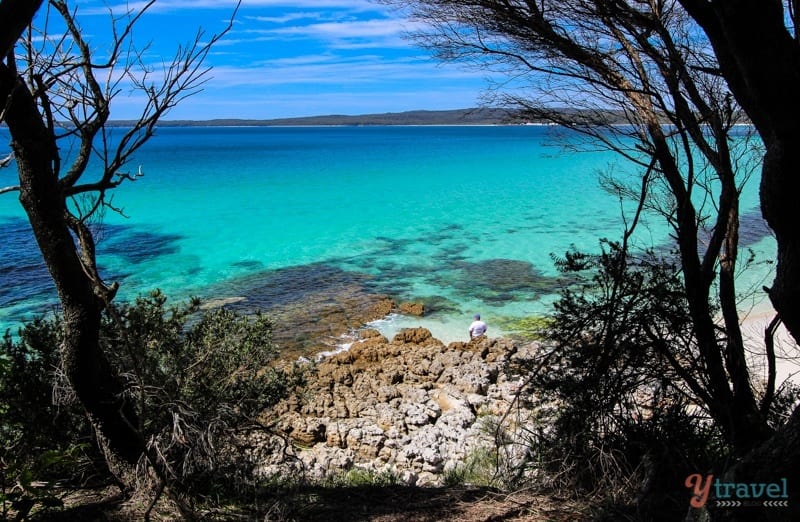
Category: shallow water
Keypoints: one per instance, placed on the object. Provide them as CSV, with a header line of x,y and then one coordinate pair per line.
x,y
465,219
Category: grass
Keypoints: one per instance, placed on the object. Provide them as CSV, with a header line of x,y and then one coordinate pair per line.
x,y
360,477
478,469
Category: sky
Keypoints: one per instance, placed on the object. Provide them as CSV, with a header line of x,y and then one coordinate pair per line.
x,y
292,58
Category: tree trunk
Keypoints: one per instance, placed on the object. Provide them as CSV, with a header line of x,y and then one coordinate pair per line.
x,y
15,15
85,364
760,60
780,190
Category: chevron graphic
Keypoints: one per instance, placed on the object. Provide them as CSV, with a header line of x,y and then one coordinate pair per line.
x,y
728,503
776,503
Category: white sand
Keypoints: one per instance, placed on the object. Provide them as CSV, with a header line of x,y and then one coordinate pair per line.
x,y
787,354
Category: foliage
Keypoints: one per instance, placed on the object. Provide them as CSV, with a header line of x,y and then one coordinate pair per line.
x,y
201,380
627,428
57,89
32,422
40,440
23,490
360,477
479,468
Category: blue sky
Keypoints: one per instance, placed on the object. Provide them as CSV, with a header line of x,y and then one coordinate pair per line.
x,y
295,58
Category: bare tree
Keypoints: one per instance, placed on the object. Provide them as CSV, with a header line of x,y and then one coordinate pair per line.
x,y
56,95
637,63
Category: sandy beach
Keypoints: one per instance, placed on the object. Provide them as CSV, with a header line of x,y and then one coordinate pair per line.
x,y
787,355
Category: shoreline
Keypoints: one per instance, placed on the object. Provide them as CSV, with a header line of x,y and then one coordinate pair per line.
x,y
787,356
447,330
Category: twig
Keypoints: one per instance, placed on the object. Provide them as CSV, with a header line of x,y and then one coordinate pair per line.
x,y
5,162
769,343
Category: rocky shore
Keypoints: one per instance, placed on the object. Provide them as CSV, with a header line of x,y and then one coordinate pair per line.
x,y
410,407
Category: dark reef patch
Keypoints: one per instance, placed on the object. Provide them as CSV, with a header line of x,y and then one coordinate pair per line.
x,y
502,275
752,228
270,288
393,245
444,233
25,283
436,305
311,305
135,245
496,281
452,253
249,264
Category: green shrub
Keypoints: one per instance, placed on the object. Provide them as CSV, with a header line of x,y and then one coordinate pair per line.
x,y
479,468
201,380
625,427
360,477
43,435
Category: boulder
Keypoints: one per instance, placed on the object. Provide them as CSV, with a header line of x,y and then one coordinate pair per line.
x,y
413,336
416,309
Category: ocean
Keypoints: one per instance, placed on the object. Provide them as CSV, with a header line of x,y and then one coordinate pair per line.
x,y
464,218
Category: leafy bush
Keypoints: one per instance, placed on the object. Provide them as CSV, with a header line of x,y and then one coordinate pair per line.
x,y
201,380
41,440
480,468
626,427
360,477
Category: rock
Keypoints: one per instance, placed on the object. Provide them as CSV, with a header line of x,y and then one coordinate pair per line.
x,y
413,336
410,406
305,430
416,309
327,314
370,333
408,477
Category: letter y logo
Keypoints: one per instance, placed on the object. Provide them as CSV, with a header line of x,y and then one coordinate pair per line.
x,y
700,490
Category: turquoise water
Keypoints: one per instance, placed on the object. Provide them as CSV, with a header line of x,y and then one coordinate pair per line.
x,y
463,217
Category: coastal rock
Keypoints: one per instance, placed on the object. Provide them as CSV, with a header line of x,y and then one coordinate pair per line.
x,y
416,309
304,430
317,320
411,406
414,336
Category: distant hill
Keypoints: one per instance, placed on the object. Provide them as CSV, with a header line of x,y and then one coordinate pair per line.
x,y
449,117
475,116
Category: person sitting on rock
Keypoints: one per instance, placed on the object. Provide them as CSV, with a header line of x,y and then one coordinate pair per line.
x,y
477,328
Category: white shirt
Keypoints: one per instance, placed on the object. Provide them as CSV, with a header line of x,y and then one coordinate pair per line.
x,y
477,328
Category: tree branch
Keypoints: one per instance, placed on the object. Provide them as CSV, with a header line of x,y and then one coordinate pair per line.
x,y
15,16
769,343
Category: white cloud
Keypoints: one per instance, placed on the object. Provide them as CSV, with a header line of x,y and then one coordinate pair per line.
x,y
288,17
321,70
353,34
97,7
350,29
303,57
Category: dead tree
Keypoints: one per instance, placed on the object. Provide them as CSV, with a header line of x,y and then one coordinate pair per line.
x,y
54,92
